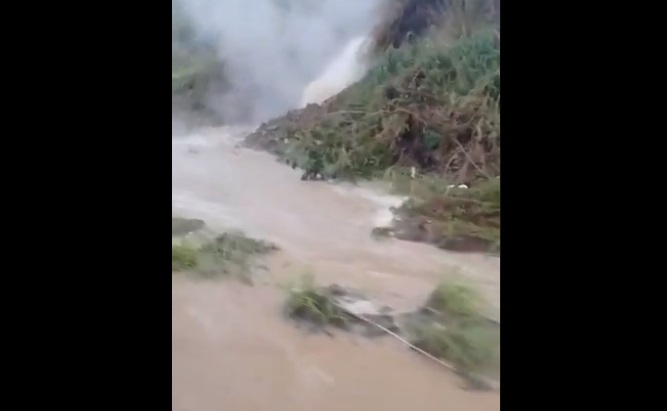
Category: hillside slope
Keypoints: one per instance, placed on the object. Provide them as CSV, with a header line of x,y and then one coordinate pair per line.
x,y
433,104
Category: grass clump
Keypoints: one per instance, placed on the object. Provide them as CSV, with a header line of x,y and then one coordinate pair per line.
x,y
228,254
471,347
456,219
454,299
313,305
448,327
183,257
457,332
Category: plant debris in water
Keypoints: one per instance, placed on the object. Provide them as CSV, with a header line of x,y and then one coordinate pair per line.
x,y
183,257
228,254
448,326
312,305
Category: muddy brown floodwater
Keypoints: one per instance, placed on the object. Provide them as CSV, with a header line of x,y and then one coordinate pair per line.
x,y
232,350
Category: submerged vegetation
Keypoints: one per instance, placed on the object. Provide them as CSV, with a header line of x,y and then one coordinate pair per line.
x,y
312,304
448,327
183,257
432,104
452,218
456,331
227,254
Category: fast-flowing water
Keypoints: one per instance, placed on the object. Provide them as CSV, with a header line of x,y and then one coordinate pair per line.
x,y
232,350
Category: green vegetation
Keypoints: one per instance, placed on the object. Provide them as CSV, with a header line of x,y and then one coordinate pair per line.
x,y
312,304
456,331
432,104
183,257
472,347
426,118
426,105
449,326
452,218
228,254
454,299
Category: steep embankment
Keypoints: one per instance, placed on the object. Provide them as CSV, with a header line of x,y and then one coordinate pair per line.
x,y
431,105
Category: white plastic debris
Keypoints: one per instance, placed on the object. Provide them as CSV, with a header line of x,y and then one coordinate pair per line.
x,y
459,186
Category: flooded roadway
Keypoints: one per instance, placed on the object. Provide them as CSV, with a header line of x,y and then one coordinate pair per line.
x,y
232,349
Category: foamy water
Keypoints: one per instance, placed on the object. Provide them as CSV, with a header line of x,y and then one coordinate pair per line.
x,y
346,68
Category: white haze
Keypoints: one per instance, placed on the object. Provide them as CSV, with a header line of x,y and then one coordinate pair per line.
x,y
344,69
274,48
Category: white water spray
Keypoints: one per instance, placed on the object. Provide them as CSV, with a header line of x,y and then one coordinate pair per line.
x,y
346,68
271,49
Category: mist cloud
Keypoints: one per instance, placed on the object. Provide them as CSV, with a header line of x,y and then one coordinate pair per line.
x,y
273,48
